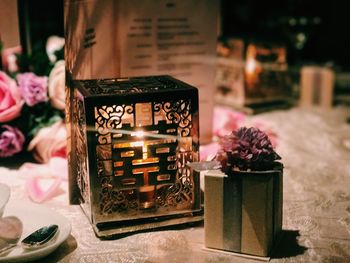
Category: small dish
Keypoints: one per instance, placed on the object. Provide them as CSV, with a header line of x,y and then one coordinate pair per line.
x,y
35,216
5,193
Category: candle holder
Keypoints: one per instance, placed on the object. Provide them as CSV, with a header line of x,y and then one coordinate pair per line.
x,y
130,142
266,74
257,81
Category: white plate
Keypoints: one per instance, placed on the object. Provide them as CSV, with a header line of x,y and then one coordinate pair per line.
x,y
33,217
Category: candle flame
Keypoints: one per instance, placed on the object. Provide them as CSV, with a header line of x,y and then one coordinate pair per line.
x,y
250,66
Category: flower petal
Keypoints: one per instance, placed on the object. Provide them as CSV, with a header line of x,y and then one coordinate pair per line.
x,y
37,193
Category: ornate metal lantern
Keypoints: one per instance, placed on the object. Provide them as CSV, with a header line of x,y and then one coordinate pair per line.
x,y
130,142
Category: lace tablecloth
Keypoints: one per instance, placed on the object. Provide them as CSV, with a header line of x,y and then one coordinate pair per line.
x,y
314,145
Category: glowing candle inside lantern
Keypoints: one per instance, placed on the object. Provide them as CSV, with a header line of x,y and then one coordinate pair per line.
x,y
146,161
141,134
147,191
252,67
251,72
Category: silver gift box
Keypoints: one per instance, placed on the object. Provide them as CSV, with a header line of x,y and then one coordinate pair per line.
x,y
243,211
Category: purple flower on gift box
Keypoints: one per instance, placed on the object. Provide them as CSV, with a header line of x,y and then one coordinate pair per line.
x,y
11,141
246,148
33,88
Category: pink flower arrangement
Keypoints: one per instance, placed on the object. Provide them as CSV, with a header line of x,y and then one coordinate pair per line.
x,y
27,107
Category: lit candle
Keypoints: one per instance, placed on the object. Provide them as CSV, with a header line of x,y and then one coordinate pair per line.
x,y
252,67
147,192
251,72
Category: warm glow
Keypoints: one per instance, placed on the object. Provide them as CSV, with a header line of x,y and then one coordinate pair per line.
x,y
135,144
145,161
139,134
250,66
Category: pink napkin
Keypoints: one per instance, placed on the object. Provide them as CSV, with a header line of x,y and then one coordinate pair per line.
x,y
225,121
52,174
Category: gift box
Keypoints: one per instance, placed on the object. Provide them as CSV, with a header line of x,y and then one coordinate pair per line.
x,y
317,86
131,141
243,210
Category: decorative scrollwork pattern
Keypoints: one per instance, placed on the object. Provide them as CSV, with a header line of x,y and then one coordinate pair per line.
x,y
180,195
116,201
109,118
130,85
178,112
79,126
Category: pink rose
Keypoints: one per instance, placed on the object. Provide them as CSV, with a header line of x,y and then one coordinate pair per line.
x,y
10,99
57,84
49,142
11,141
33,88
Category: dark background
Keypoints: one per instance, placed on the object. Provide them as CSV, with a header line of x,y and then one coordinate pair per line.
x,y
326,29
327,40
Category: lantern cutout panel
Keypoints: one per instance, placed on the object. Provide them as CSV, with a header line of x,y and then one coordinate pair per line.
x,y
131,142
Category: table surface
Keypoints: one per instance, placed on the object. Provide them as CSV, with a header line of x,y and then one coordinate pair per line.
x,y
316,206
